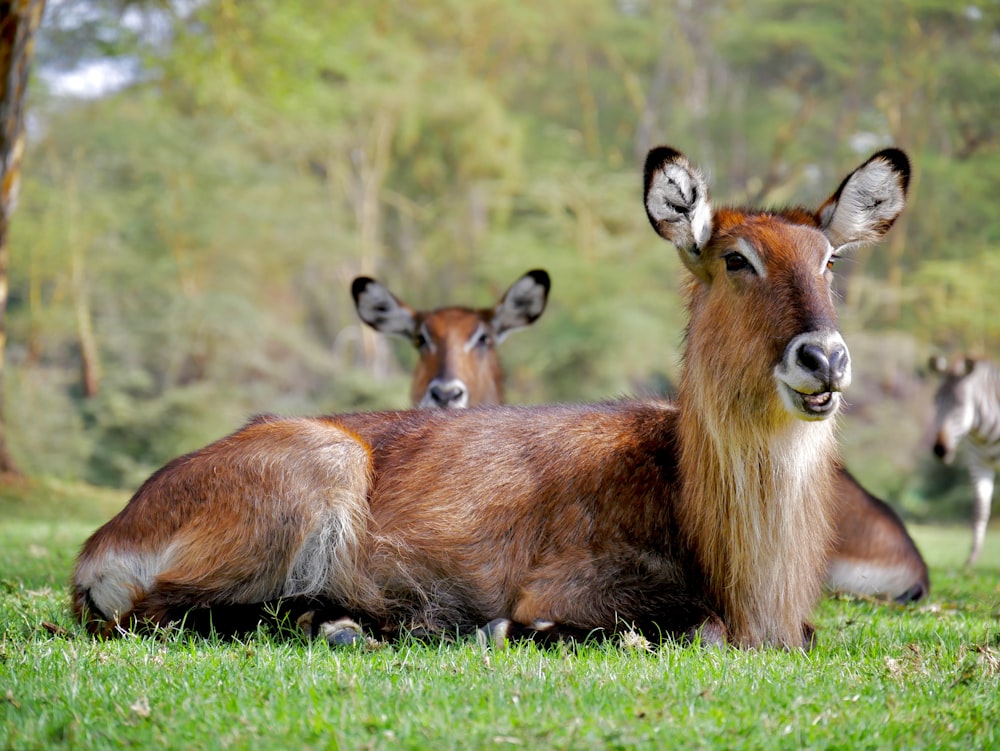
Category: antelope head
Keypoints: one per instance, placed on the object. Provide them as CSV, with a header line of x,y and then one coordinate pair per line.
x,y
761,281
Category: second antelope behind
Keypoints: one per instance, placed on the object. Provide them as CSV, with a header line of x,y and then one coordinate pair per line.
x,y
711,517
457,346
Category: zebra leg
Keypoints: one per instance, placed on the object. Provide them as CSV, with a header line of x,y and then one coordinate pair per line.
x,y
982,484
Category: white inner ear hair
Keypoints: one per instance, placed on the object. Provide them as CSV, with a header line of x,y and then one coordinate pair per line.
x,y
871,197
679,195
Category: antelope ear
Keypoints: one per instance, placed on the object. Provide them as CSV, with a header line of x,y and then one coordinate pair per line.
x,y
676,198
522,304
380,309
868,201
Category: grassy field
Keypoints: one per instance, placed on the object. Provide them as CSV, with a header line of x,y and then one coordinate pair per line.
x,y
925,676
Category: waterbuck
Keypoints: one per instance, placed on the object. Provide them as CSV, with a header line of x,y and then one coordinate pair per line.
x,y
458,365
710,517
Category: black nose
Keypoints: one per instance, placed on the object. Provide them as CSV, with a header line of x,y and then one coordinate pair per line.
x,y
940,450
444,396
829,367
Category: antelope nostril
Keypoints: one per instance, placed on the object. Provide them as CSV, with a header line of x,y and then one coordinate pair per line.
x,y
814,359
940,450
445,395
839,361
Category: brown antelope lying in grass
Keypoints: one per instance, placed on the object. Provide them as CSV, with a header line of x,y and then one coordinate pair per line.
x,y
711,516
873,555
458,364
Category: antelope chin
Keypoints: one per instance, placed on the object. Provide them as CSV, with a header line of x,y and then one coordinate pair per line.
x,y
818,406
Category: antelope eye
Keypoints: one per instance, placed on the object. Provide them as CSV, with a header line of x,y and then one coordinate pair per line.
x,y
736,262
419,340
832,262
483,339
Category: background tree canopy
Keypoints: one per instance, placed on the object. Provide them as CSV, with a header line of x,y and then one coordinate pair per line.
x,y
184,247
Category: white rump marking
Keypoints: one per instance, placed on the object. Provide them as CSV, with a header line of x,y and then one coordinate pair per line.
x,y
116,579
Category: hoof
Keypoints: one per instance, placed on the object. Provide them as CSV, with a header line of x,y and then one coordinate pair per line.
x,y
341,633
493,634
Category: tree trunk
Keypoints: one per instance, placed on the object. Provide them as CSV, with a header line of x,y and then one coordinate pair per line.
x,y
19,20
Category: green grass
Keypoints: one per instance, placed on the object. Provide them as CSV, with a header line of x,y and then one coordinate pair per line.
x,y
882,676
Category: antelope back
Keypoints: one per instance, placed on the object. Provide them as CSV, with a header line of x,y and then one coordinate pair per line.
x,y
458,365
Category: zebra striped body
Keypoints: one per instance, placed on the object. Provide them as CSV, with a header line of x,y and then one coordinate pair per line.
x,y
968,413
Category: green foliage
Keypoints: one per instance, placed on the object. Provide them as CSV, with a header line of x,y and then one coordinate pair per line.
x,y
191,239
958,302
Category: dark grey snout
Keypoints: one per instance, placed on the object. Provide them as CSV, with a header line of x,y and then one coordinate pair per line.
x,y
828,364
447,395
814,369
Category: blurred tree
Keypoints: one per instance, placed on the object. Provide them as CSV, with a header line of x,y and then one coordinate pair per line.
x,y
19,20
200,226
850,76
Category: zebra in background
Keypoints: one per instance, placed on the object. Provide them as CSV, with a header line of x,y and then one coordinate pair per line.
x,y
968,412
